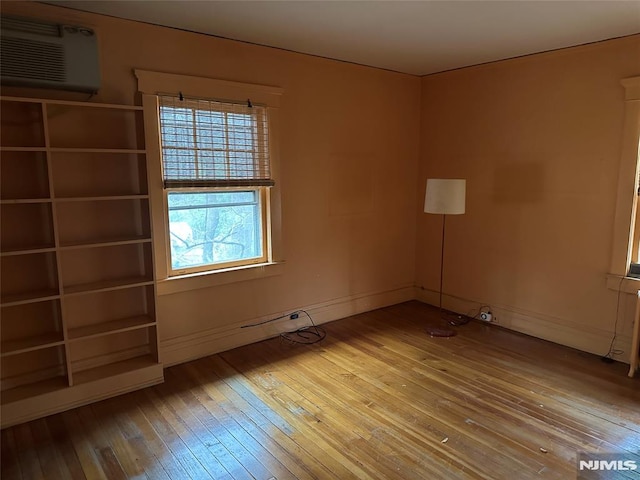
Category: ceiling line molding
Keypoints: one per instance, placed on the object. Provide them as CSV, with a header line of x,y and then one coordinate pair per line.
x,y
635,38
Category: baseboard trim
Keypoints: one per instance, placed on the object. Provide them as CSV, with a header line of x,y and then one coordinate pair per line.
x,y
563,332
190,347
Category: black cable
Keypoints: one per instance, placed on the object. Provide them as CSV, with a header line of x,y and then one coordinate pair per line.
x,y
306,335
464,319
268,321
611,351
461,319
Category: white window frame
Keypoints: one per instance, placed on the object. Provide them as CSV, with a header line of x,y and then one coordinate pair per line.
x,y
625,237
263,204
151,84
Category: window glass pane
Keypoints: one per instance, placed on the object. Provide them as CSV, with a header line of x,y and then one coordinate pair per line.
x,y
241,165
214,227
178,163
210,129
177,127
211,164
240,131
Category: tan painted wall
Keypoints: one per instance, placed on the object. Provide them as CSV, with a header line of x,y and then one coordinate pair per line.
x,y
347,234
538,140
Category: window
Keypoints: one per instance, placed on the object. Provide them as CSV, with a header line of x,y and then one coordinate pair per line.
x,y
626,232
634,268
216,172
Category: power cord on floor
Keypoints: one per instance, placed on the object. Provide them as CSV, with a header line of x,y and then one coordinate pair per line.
x,y
457,320
607,358
307,335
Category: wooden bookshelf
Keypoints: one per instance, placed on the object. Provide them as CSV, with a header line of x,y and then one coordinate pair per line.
x,y
26,250
28,344
78,293
106,242
107,285
111,327
33,296
116,368
102,198
25,200
23,149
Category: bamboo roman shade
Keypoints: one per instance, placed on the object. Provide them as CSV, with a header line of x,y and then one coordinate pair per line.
x,y
208,143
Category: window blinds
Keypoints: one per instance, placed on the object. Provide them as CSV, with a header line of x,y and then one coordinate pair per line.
x,y
207,143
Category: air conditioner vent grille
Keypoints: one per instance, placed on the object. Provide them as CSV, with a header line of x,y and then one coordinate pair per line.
x,y
24,58
29,26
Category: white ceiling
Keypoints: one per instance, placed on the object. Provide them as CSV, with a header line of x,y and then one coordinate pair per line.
x,y
416,37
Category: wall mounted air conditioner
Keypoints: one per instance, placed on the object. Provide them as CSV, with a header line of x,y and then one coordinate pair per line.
x,y
48,55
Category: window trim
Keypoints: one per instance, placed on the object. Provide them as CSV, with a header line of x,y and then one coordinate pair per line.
x,y
635,242
263,205
150,85
626,211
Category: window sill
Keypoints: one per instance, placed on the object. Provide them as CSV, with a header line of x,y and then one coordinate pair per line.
x,y
194,281
623,284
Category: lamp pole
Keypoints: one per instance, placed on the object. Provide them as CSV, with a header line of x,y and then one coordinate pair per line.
x,y
444,219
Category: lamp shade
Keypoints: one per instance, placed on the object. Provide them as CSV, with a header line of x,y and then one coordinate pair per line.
x,y
445,196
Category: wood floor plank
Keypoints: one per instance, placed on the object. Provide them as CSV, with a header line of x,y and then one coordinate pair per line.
x,y
27,453
323,451
204,443
579,378
508,373
511,378
330,416
83,447
61,438
9,463
377,399
173,434
267,430
127,442
495,429
106,423
49,455
136,425
296,406
228,433
471,366
390,418
491,400
115,461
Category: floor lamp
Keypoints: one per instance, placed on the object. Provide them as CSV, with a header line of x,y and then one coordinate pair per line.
x,y
444,197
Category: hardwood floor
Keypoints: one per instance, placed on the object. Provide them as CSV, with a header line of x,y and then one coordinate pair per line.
x,y
378,398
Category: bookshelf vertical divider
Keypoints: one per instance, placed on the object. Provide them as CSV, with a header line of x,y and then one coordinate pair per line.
x,y
54,225
78,296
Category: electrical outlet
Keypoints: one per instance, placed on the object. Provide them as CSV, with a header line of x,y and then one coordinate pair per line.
x,y
293,316
486,316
